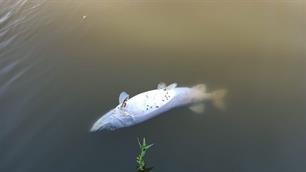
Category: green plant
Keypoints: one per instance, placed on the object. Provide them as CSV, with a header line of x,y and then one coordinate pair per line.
x,y
140,158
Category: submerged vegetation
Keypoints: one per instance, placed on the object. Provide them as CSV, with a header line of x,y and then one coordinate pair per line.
x,y
141,165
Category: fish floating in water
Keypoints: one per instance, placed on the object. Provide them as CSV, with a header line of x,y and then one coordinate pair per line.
x,y
146,105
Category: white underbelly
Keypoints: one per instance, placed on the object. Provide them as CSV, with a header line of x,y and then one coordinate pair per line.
x,y
152,103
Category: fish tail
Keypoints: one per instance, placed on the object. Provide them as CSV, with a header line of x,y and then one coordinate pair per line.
x,y
217,97
199,93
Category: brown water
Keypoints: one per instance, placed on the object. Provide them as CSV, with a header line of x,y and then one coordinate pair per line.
x,y
59,72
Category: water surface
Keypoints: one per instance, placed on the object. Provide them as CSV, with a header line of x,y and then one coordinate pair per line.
x,y
63,64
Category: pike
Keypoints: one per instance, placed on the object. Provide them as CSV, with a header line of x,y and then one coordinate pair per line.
x,y
149,104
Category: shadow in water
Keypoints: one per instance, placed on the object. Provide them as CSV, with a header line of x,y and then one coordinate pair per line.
x,y
149,169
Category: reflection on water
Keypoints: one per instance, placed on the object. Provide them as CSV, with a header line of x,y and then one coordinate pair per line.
x,y
59,72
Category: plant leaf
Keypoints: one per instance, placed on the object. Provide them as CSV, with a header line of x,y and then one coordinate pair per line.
x,y
147,147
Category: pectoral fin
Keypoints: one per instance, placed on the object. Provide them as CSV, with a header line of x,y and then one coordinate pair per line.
x,y
123,96
197,108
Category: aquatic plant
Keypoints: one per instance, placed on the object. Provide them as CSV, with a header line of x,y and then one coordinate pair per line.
x,y
140,158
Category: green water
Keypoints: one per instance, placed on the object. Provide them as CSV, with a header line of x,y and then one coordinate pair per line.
x,y
60,71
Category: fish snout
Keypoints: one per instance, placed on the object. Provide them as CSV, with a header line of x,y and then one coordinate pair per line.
x,y
106,122
98,127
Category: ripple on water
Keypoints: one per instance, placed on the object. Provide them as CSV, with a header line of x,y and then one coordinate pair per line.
x,y
13,14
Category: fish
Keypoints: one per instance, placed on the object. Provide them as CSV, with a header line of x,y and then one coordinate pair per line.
x,y
149,104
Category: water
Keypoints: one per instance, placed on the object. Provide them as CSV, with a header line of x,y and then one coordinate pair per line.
x,y
59,71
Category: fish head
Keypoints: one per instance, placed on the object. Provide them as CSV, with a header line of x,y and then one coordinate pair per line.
x,y
112,120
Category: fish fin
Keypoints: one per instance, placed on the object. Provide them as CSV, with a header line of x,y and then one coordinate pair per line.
x,y
171,86
198,92
200,87
161,85
218,98
197,108
123,96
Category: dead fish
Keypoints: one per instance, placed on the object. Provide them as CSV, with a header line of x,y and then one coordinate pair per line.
x,y
149,104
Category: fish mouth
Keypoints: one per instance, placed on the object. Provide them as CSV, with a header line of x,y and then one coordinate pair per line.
x,y
96,128
103,127
109,121
99,127
112,120
102,123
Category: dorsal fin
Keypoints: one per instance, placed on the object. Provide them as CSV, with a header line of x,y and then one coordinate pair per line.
x,y
123,96
171,86
161,85
200,87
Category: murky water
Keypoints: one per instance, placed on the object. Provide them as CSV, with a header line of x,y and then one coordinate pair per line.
x,y
63,63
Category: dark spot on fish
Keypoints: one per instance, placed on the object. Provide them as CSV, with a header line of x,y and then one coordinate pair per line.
x,y
157,106
147,108
163,100
165,89
151,107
